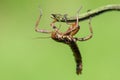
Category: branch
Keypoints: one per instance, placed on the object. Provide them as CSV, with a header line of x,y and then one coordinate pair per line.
x,y
87,15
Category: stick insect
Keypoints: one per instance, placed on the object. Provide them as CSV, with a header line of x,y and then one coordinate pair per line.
x,y
68,37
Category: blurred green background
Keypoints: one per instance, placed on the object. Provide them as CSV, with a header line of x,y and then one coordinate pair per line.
x,y
22,57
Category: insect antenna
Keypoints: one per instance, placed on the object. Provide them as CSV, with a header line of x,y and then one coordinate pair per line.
x,y
42,37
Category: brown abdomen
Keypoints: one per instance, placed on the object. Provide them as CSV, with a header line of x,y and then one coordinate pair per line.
x,y
77,55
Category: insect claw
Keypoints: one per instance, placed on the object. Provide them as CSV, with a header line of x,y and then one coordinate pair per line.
x,y
79,10
40,12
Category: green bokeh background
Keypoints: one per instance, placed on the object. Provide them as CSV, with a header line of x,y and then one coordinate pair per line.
x,y
22,57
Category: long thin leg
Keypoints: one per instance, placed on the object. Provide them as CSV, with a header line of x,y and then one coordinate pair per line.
x,y
37,23
74,28
65,17
53,24
89,36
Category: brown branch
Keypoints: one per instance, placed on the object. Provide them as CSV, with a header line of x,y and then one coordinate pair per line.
x,y
87,15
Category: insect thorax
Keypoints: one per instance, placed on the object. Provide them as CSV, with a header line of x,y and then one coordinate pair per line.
x,y
59,37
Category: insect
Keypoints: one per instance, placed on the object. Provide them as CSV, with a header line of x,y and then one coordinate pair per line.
x,y
67,37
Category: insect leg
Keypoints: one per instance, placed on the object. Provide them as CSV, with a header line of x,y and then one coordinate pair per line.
x,y
89,36
53,24
37,23
74,27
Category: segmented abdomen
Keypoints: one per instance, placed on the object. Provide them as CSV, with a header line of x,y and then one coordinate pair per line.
x,y
77,55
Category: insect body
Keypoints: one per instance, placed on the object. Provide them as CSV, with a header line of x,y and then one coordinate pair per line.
x,y
68,38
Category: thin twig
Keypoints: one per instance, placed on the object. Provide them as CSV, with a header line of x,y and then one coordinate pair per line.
x,y
92,13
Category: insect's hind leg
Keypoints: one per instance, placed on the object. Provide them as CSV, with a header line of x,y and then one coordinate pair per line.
x,y
89,36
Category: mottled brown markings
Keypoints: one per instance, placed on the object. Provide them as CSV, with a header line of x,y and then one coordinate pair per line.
x,y
68,38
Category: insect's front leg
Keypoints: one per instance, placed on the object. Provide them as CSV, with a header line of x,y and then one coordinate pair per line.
x,y
89,36
37,23
74,27
53,24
